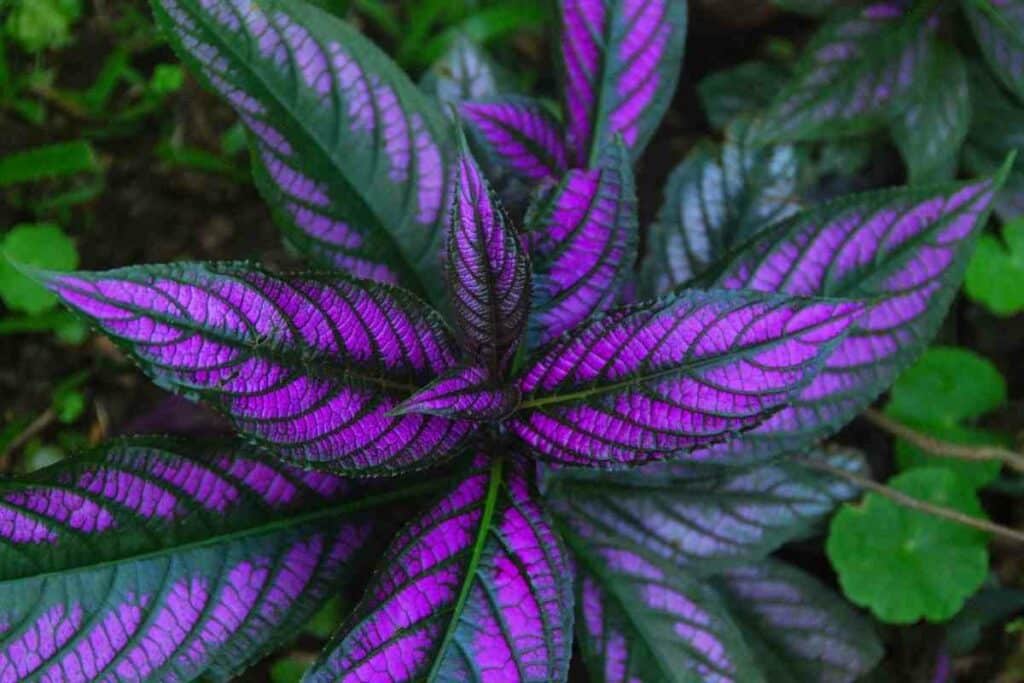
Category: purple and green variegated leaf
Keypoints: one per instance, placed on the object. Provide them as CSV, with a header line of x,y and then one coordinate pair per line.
x,y
644,382
997,130
478,588
463,393
308,366
465,72
999,28
583,241
640,620
488,271
715,200
621,60
156,560
351,156
854,71
904,251
798,630
519,134
931,126
740,90
701,518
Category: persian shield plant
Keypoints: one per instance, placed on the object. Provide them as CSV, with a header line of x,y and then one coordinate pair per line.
x,y
605,473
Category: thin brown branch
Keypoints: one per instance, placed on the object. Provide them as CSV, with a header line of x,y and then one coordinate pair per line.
x,y
942,448
44,420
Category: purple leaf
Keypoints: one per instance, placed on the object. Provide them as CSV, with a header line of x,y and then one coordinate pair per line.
x,y
621,60
141,563
644,382
999,28
464,393
307,366
351,156
520,134
488,271
583,243
904,251
477,588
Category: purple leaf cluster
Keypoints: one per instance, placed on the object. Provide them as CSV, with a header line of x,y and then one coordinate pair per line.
x,y
448,335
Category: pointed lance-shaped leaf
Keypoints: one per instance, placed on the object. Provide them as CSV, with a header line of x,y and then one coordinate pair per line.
x,y
621,60
520,134
158,560
464,72
999,27
715,200
308,366
351,156
669,376
477,588
488,271
583,241
853,72
704,519
798,630
467,392
902,250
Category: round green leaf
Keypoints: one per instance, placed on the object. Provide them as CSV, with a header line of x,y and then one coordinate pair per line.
x,y
947,385
41,245
995,276
973,473
903,564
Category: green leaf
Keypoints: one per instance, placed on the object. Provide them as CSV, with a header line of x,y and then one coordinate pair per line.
x,y
995,275
40,245
932,124
903,564
38,25
51,161
740,90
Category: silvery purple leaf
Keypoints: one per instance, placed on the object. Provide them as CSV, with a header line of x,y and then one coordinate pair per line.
x,y
701,518
582,237
156,560
999,28
644,382
463,393
520,134
464,72
308,366
715,200
798,630
351,156
621,60
854,71
488,271
476,588
904,251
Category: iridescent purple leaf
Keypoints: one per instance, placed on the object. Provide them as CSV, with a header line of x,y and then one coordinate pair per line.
x,y
520,134
582,237
308,366
798,630
465,393
476,589
488,271
701,518
999,28
855,69
621,60
464,72
351,156
155,560
904,251
715,200
669,376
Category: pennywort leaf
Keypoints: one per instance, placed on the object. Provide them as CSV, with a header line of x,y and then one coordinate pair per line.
x,y
476,587
41,245
308,366
351,156
995,276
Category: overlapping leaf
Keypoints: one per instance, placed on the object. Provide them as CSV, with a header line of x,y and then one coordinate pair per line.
x,y
741,90
999,28
904,251
351,156
308,366
644,382
520,134
854,70
716,199
488,271
466,392
477,588
583,238
464,72
621,60
997,129
146,561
